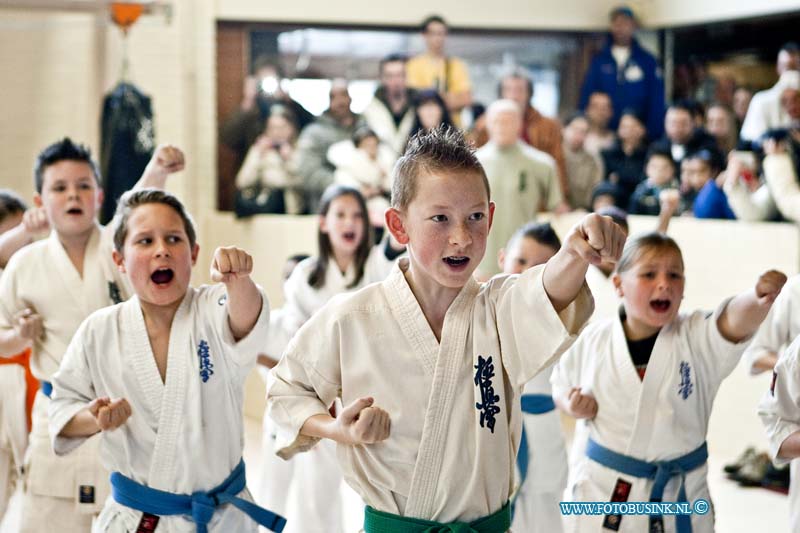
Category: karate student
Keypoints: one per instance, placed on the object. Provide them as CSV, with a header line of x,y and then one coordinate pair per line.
x,y
17,384
645,381
429,363
161,379
46,291
542,457
777,410
346,261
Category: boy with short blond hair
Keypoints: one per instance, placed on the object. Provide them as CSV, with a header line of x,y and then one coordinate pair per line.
x,y
429,363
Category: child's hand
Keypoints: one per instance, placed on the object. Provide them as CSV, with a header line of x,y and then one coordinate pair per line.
x,y
360,423
596,239
110,415
769,285
35,222
229,264
581,405
28,324
166,160
669,200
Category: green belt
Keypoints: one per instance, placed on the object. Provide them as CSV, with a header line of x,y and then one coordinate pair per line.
x,y
380,522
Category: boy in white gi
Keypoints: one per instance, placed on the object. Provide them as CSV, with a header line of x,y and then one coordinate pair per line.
x,y
646,380
542,457
777,409
429,363
46,291
161,377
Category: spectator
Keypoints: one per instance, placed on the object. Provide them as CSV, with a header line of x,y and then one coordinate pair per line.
x,y
700,190
583,171
628,73
336,124
781,174
681,134
433,69
765,111
741,103
624,162
790,103
660,172
390,113
262,90
604,196
749,198
523,180
599,112
537,130
268,181
430,112
721,124
366,164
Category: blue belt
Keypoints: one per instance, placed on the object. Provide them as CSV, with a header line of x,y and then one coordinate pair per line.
x,y
46,387
200,505
659,471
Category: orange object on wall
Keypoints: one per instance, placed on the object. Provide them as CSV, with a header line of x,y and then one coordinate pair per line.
x,y
125,14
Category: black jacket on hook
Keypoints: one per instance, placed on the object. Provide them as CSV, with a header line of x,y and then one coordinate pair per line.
x,y
127,141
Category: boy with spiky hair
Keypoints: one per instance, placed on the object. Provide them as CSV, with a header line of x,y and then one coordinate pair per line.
x,y
430,364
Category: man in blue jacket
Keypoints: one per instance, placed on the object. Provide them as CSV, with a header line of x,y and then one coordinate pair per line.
x,y
628,73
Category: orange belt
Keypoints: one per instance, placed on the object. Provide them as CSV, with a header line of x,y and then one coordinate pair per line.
x,y
31,383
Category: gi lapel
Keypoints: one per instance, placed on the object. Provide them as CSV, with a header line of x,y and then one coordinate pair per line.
x,y
449,363
179,369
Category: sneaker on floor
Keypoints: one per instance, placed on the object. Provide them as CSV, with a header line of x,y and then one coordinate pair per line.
x,y
752,472
745,457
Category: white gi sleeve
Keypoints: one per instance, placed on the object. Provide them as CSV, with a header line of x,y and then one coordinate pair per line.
x,y
306,381
73,388
212,304
716,355
532,334
780,407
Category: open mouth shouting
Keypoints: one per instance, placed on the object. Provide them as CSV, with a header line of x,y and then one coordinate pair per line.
x,y
660,306
75,211
349,236
162,276
456,263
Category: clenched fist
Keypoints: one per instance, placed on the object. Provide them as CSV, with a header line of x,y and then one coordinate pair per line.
x,y
581,405
110,415
596,239
35,222
229,264
769,286
28,324
361,423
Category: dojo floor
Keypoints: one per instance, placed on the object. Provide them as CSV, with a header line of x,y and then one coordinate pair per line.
x,y
739,510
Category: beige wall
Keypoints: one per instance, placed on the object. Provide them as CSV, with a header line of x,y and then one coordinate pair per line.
x,y
525,14
665,13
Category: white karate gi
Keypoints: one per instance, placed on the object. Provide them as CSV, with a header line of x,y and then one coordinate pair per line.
x,y
536,507
661,417
778,330
13,430
41,276
455,431
314,503
185,435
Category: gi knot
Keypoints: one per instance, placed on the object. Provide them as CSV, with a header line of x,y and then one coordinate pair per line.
x,y
203,507
453,527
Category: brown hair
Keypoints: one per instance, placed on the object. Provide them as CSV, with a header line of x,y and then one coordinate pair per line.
x,y
135,198
10,204
636,247
442,149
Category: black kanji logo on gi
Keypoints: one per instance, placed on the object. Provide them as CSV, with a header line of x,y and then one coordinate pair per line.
x,y
484,373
